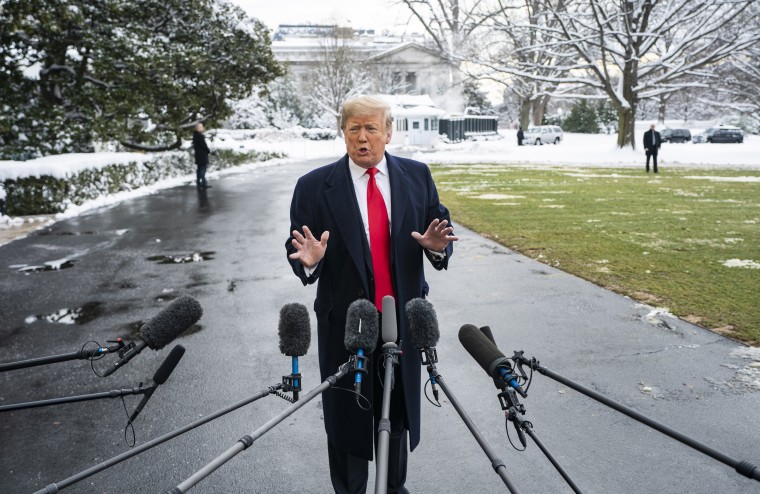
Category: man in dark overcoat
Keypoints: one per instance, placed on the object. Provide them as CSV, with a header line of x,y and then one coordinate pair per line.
x,y
330,243
652,142
201,156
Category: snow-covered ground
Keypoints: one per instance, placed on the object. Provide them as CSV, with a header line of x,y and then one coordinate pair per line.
x,y
586,150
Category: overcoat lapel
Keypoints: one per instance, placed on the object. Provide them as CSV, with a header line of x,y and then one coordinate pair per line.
x,y
399,197
346,217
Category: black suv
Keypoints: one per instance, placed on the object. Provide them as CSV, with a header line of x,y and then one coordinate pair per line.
x,y
726,135
675,135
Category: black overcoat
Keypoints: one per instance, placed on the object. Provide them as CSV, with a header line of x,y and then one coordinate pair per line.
x,y
200,148
324,199
652,141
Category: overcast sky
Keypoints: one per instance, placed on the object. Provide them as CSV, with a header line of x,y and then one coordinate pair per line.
x,y
377,14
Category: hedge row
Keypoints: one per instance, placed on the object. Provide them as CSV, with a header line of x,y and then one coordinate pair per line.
x,y
50,195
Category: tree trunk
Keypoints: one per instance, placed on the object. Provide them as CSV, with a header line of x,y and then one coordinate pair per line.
x,y
539,109
626,124
627,108
524,113
661,109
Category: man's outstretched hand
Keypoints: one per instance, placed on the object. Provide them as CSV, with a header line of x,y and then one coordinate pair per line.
x,y
309,250
437,236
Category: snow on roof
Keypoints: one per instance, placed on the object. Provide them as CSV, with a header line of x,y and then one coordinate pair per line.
x,y
411,104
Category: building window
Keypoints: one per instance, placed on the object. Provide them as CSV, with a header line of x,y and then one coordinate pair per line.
x,y
427,125
416,125
434,123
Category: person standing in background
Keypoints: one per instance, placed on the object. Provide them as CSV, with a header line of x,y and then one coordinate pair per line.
x,y
652,143
201,156
520,136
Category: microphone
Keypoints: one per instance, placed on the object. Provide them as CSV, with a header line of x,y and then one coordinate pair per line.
x,y
489,357
424,334
361,335
486,330
390,328
294,329
160,377
161,329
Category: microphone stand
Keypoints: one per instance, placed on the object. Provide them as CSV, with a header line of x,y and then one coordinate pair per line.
x,y
116,393
429,357
743,467
514,409
391,353
82,354
55,487
247,441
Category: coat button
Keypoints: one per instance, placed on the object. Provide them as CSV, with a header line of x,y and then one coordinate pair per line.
x,y
361,292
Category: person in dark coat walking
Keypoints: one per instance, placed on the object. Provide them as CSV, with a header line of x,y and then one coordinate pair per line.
x,y
201,156
520,136
335,240
652,144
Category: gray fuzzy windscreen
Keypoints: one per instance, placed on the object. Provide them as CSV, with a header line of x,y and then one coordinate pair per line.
x,y
364,336
179,315
423,323
294,330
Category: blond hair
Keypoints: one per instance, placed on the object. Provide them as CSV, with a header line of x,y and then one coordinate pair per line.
x,y
365,106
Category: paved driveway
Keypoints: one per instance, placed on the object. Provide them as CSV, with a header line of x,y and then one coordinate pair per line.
x,y
697,382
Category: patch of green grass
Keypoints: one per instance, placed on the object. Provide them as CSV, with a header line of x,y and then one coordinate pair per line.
x,y
661,239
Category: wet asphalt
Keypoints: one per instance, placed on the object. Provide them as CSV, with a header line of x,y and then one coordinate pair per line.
x,y
119,266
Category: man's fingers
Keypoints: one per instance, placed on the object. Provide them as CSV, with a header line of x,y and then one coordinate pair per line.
x,y
416,236
307,233
325,237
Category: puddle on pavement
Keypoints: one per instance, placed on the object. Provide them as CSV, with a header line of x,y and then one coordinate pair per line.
x,y
183,259
166,295
77,234
47,266
81,315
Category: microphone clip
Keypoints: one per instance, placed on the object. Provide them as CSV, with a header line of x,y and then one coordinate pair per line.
x,y
428,356
291,383
509,402
358,363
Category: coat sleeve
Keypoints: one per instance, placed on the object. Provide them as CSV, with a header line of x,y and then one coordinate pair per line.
x,y
301,213
436,210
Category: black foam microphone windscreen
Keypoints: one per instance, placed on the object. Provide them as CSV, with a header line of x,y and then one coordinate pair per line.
x,y
361,336
294,330
168,365
486,330
481,348
182,313
390,325
423,323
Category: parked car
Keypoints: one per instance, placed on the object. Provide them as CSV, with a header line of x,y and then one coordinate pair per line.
x,y
707,135
726,135
675,135
543,134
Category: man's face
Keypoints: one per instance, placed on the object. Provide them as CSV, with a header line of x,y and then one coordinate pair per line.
x,y
366,138
652,127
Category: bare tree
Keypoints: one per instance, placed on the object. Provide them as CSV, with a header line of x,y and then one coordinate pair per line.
x,y
338,76
739,90
618,48
455,28
512,41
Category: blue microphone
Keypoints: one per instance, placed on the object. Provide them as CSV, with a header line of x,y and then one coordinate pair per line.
x,y
361,335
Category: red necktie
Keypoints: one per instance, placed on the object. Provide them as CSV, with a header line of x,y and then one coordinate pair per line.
x,y
379,240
